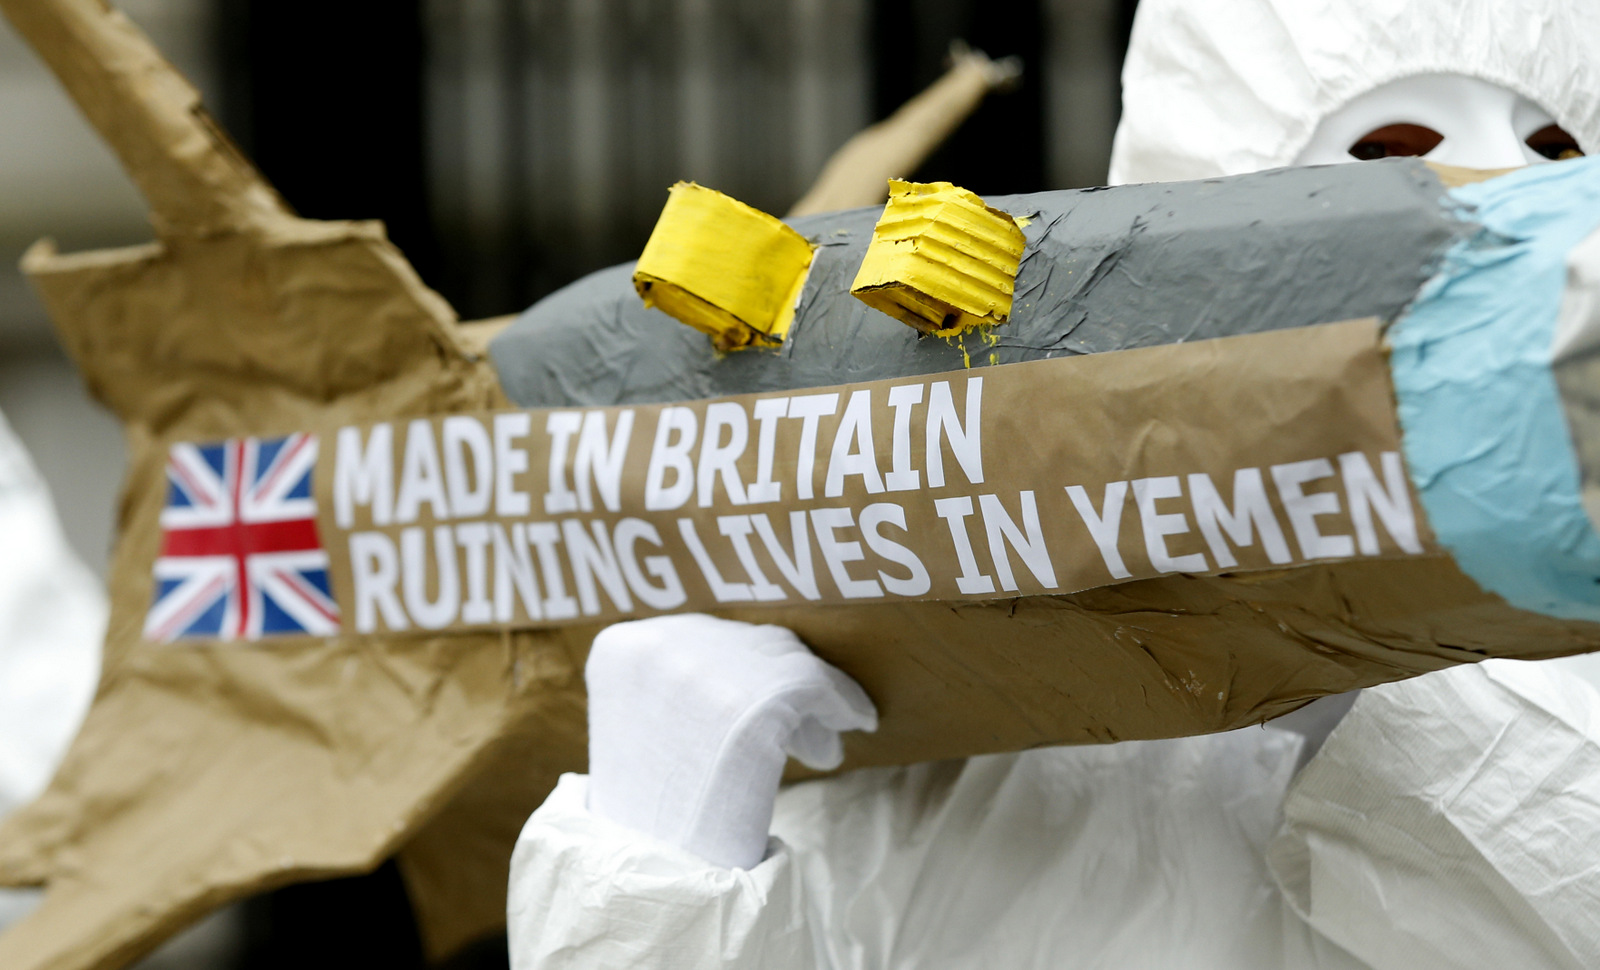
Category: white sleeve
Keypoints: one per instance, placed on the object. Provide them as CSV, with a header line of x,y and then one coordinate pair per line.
x,y
1453,820
586,892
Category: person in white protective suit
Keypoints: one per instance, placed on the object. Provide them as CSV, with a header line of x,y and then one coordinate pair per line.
x,y
1448,821
52,618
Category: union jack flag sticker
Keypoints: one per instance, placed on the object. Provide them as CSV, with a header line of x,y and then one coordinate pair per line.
x,y
240,555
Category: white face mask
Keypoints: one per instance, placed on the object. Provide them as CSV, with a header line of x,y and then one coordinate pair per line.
x,y
1482,126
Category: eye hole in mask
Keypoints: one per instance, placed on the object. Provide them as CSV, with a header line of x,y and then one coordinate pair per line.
x,y
1554,143
1397,141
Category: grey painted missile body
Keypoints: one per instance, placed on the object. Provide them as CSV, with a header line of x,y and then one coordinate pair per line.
x,y
1485,291
1104,269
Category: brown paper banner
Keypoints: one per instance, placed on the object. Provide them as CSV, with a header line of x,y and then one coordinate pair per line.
x,y
1245,453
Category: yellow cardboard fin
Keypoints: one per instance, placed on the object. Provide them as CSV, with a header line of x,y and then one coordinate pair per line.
x,y
723,268
940,260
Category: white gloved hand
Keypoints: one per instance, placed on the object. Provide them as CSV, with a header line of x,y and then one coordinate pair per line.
x,y
691,719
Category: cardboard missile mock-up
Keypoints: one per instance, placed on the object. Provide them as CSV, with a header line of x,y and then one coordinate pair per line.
x,y
1236,445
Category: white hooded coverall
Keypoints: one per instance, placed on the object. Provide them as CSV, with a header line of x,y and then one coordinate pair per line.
x,y
52,619
1448,821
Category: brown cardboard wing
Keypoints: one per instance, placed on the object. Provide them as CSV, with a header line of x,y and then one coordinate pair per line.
x,y
202,775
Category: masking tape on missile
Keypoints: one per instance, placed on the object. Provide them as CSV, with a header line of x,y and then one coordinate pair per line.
x,y
940,260
723,268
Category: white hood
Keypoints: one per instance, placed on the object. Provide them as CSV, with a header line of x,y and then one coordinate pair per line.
x,y
1225,87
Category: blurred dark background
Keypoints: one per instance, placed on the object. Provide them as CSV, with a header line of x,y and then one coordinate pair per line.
x,y
511,146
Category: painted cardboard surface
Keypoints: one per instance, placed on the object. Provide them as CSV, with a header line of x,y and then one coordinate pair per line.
x,y
1104,269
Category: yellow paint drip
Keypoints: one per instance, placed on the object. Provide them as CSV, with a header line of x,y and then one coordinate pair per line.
x,y
723,268
940,259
